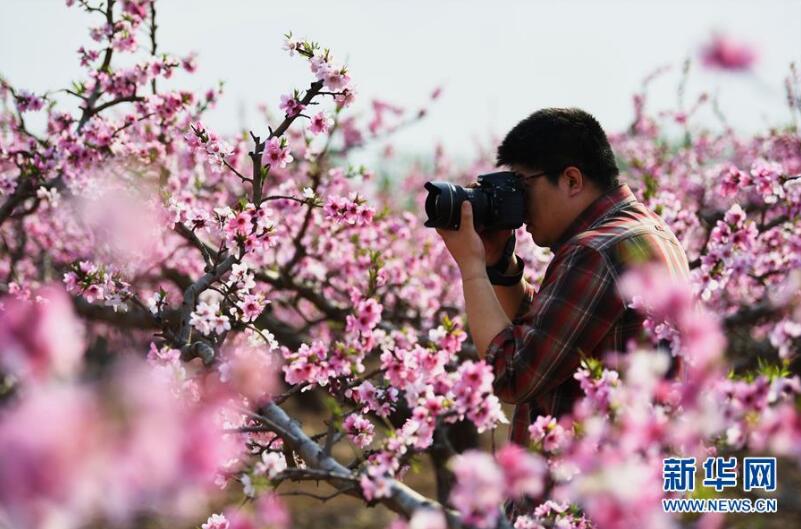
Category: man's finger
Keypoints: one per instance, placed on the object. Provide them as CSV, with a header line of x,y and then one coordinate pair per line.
x,y
467,214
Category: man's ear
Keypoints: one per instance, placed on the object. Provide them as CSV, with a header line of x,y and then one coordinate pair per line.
x,y
574,180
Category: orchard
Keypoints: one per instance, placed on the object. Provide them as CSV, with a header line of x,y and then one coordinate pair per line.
x,y
222,332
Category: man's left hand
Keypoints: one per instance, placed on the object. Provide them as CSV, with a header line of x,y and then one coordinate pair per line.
x,y
465,245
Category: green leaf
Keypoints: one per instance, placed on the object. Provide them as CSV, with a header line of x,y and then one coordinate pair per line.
x,y
651,186
594,366
333,407
447,323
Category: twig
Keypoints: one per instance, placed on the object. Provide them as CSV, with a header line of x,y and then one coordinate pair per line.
x,y
287,197
153,45
237,173
190,236
258,149
88,109
329,437
316,496
123,127
125,99
297,388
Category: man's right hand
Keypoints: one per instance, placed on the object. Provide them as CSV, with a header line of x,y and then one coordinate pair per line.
x,y
494,242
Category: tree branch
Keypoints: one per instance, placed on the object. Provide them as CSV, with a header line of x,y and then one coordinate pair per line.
x,y
402,499
190,298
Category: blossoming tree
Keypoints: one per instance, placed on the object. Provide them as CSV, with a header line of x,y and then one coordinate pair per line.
x,y
170,295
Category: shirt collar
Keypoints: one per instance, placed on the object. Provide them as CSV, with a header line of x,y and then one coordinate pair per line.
x,y
597,209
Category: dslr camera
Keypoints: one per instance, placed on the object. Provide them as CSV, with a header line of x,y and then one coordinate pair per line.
x,y
497,203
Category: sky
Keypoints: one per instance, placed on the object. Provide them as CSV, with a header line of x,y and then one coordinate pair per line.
x,y
496,61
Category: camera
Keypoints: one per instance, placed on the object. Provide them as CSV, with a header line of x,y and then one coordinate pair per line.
x,y
497,203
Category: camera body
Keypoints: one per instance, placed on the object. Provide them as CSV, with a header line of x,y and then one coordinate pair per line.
x,y
498,203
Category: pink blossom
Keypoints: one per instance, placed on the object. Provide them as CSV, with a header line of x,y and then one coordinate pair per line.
x,y
427,519
350,132
733,180
276,154
599,391
449,341
240,224
346,97
368,314
189,63
479,488
320,123
251,307
290,45
249,370
42,337
239,519
337,79
160,447
272,512
359,429
473,395
380,109
735,216
767,180
547,433
215,521
348,211
123,222
367,396
309,364
727,53
527,522
290,105
524,473
783,337
93,293
272,464
374,483
207,319
41,457
548,508
163,355
26,101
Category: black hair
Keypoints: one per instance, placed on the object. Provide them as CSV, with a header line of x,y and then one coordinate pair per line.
x,y
552,139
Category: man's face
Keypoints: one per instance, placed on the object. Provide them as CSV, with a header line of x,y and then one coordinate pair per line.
x,y
547,206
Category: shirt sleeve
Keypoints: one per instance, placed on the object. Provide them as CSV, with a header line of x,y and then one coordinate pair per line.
x,y
576,306
528,298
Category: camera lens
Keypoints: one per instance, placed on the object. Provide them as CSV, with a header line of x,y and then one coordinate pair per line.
x,y
443,205
497,203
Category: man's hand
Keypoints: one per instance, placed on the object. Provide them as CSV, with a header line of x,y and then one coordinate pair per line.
x,y
466,246
494,242
485,314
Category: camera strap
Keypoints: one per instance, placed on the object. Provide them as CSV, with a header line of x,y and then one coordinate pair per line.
x,y
497,272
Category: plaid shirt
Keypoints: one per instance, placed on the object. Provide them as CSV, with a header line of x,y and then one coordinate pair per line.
x,y
578,309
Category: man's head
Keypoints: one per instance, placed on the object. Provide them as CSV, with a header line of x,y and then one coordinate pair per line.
x,y
565,161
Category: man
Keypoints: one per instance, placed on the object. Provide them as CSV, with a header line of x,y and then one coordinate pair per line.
x,y
596,230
